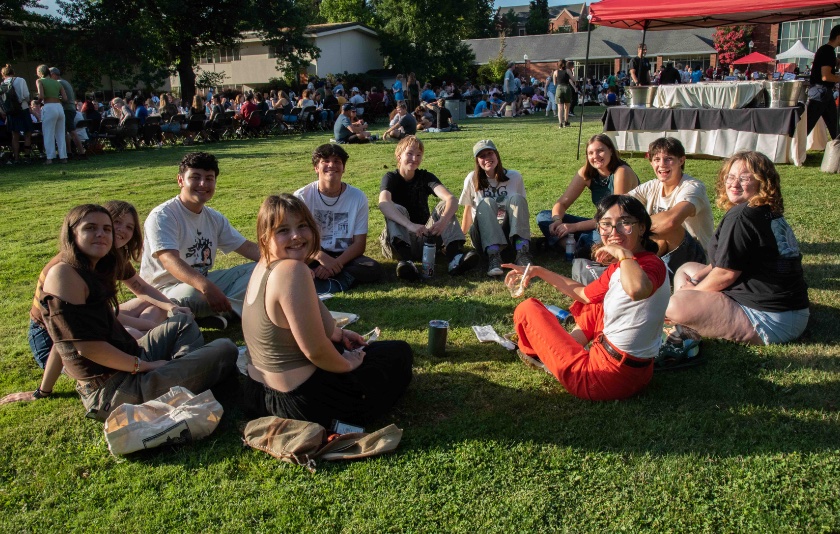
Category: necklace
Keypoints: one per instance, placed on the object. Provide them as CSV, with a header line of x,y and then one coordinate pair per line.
x,y
336,200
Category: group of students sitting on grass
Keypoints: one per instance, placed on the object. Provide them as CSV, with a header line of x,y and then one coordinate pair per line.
x,y
300,365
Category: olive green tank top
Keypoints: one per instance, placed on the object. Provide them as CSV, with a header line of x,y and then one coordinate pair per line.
x,y
270,347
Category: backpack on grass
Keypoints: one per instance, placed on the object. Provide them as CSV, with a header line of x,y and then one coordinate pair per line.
x,y
9,98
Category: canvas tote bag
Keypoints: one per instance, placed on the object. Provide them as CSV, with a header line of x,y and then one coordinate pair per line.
x,y
301,442
176,417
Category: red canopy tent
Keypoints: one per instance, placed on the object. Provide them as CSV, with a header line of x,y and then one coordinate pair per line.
x,y
755,57
669,15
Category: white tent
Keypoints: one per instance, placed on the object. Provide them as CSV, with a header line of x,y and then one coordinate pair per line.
x,y
798,50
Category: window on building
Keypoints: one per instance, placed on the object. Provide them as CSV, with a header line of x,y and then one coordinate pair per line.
x,y
521,32
226,55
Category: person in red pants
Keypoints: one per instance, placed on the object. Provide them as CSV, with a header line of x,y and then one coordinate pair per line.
x,y
620,315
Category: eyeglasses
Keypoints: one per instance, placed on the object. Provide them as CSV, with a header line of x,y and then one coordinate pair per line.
x,y
744,179
622,226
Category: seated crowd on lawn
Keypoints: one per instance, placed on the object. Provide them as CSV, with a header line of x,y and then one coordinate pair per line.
x,y
154,119
742,281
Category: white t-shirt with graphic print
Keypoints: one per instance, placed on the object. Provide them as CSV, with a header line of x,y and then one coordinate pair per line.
x,y
339,219
196,237
497,190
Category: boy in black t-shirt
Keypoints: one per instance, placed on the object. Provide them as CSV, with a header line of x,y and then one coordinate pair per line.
x,y
404,201
821,93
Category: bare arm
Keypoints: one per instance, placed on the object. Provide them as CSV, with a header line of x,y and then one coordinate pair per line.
x,y
666,221
146,292
249,250
827,76
567,286
290,291
467,220
717,279
625,180
390,211
573,191
332,266
634,281
66,284
181,270
449,211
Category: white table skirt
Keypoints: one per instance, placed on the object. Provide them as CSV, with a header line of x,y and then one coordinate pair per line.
x,y
716,95
724,143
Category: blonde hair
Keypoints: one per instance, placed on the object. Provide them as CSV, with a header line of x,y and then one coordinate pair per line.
x,y
765,173
407,142
43,71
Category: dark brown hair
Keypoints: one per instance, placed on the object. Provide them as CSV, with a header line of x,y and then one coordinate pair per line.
x,y
590,172
106,269
273,212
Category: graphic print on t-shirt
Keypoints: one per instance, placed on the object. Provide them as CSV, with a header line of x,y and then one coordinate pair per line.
x,y
497,192
335,227
200,255
785,240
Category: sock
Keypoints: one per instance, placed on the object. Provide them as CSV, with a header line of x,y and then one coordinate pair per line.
x,y
402,250
521,243
492,249
453,249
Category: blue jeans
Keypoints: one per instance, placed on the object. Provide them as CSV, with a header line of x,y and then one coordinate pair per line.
x,y
40,342
584,240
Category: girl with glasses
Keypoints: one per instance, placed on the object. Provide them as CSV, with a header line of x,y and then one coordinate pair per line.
x,y
619,315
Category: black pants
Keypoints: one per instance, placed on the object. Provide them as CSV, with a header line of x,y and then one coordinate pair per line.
x,y
821,104
357,397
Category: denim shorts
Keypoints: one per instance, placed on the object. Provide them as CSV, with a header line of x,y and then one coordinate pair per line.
x,y
778,327
40,343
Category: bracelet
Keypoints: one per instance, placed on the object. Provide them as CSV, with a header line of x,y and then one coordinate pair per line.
x,y
628,258
40,394
136,365
693,281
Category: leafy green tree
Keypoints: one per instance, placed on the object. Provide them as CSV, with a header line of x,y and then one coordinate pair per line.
x,y
14,13
145,40
506,22
538,18
494,70
480,21
346,11
424,36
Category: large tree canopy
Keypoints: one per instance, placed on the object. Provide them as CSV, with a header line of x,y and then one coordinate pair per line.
x,y
144,40
424,36
538,17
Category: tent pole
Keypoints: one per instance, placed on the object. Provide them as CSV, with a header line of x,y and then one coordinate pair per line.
x,y
585,66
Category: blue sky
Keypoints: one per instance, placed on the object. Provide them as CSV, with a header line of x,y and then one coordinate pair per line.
x,y
52,5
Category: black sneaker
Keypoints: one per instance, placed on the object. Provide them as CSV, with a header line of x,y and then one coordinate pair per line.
x,y
406,270
462,263
216,322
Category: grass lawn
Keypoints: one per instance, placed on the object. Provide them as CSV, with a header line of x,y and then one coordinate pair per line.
x,y
747,442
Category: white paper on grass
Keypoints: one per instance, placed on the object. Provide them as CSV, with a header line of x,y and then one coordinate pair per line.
x,y
486,334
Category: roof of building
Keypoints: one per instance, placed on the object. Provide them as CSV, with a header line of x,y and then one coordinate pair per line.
x,y
522,11
607,43
325,29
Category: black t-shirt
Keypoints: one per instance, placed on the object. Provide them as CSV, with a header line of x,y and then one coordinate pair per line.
x,y
764,249
669,76
413,195
409,126
444,116
642,67
825,57
528,91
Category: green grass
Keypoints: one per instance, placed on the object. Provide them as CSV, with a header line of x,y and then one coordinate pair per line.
x,y
747,442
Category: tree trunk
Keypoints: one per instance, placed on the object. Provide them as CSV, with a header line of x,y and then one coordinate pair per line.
x,y
187,75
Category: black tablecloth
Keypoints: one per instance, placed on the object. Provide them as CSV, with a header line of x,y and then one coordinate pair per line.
x,y
776,121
